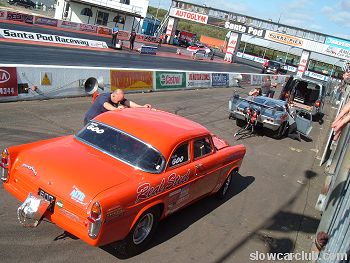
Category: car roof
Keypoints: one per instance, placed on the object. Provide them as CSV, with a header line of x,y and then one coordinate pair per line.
x,y
162,130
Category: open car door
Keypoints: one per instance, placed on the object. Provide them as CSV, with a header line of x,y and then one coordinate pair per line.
x,y
303,120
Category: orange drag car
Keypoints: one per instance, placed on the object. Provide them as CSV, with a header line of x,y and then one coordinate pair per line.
x,y
116,178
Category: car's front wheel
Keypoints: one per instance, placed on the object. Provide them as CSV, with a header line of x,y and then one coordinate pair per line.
x,y
141,233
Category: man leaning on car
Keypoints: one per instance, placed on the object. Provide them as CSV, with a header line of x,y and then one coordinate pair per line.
x,y
109,102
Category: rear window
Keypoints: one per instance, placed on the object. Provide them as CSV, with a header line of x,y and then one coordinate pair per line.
x,y
122,146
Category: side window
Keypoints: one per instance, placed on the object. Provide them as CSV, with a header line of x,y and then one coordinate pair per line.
x,y
179,156
202,147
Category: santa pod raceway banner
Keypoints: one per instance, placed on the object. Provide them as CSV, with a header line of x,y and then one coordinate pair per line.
x,y
38,37
8,82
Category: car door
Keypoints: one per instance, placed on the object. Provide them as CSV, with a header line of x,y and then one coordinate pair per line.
x,y
206,165
179,178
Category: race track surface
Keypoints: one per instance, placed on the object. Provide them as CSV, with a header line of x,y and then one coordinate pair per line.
x,y
269,206
18,53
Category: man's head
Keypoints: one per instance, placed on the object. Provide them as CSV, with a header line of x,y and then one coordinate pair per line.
x,y
117,95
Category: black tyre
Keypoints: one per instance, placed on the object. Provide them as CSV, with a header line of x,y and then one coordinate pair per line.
x,y
281,131
240,123
141,233
225,187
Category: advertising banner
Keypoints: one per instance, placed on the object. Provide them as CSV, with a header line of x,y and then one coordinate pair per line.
x,y
131,80
284,39
199,80
303,63
21,35
68,24
46,21
231,46
195,17
3,15
8,82
104,30
337,48
169,29
123,35
88,28
316,76
220,79
170,80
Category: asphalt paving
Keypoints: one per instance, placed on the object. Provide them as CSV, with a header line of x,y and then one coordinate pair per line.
x,y
19,53
269,208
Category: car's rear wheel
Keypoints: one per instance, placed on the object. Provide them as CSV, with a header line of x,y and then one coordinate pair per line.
x,y
281,131
141,233
226,186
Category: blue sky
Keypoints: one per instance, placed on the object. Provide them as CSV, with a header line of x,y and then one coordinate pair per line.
x,y
330,17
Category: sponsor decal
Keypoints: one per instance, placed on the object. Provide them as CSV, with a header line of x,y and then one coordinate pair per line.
x,y
59,204
177,199
170,80
231,46
284,39
46,21
316,75
220,80
21,35
198,80
200,18
8,82
77,195
146,190
113,213
30,168
131,80
240,28
70,215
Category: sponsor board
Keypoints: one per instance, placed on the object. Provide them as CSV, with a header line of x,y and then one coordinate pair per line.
x,y
240,28
68,24
284,39
104,30
46,21
198,80
148,50
220,79
21,35
8,82
303,63
131,80
88,28
170,26
170,80
337,48
316,76
123,35
231,47
196,17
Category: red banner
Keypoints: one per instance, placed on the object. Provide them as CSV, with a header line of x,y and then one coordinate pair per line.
x,y
8,82
104,30
123,35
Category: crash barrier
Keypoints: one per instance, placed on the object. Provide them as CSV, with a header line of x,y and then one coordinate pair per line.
x,y
334,199
28,82
48,38
148,50
86,28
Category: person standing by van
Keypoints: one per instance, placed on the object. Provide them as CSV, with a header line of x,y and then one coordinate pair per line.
x,y
132,39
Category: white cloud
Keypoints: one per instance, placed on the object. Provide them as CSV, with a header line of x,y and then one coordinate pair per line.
x,y
339,14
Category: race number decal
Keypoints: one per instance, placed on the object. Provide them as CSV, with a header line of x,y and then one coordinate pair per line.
x,y
94,127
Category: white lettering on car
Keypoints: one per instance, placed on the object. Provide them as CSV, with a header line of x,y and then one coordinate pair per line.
x,y
93,127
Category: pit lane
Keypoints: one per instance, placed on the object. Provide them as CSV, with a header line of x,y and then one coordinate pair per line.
x,y
269,208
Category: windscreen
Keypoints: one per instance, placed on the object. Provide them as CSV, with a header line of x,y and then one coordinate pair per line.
x,y
122,146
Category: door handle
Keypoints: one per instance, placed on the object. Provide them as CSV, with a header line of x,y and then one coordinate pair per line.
x,y
198,165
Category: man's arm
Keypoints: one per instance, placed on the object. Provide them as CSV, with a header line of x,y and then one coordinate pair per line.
x,y
132,104
109,106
